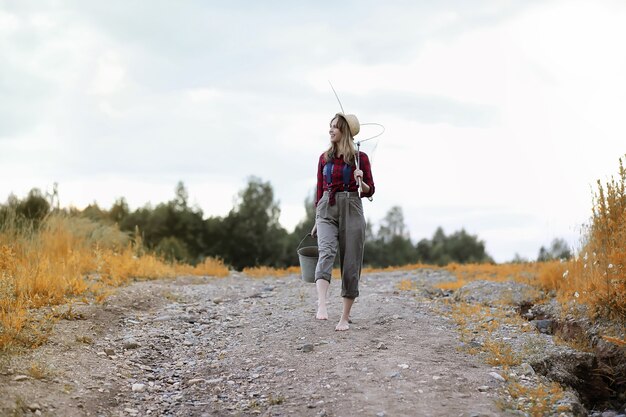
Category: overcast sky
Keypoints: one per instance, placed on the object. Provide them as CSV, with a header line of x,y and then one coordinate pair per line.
x,y
500,115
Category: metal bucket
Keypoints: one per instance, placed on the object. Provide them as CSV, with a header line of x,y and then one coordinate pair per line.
x,y
308,256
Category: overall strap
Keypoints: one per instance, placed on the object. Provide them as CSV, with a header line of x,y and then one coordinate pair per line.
x,y
346,173
347,170
328,172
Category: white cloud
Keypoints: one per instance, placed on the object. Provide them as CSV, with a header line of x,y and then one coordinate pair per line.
x,y
110,74
510,109
469,68
203,95
8,22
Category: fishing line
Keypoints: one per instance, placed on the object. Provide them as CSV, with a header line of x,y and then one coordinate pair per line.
x,y
375,136
362,124
336,96
358,143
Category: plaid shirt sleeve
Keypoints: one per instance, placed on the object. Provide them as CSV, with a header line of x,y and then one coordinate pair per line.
x,y
367,173
320,179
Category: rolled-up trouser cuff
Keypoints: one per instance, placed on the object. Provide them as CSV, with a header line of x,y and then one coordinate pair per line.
x,y
325,278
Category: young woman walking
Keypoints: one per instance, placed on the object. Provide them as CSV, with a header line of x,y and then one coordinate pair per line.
x,y
339,220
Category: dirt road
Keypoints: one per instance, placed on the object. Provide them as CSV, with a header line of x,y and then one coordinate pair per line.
x,y
242,346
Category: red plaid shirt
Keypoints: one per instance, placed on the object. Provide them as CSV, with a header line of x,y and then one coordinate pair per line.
x,y
339,173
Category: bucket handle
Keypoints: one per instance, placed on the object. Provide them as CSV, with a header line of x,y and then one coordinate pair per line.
x,y
305,236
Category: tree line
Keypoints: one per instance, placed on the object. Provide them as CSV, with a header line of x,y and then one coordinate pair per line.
x,y
250,234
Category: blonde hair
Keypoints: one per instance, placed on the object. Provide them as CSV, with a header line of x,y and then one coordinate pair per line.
x,y
345,146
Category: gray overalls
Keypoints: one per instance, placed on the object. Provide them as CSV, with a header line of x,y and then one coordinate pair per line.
x,y
340,225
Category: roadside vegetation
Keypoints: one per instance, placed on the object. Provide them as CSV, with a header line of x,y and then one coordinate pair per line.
x,y
49,255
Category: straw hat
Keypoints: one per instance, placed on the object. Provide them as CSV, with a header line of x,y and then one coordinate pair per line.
x,y
353,123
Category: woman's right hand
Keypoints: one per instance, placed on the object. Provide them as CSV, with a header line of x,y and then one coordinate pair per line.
x,y
314,231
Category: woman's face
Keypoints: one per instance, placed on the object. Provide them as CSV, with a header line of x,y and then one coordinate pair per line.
x,y
334,132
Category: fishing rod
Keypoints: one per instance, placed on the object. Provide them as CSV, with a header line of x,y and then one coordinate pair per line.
x,y
358,152
358,143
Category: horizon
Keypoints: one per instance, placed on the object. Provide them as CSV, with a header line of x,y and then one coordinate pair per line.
x,y
193,205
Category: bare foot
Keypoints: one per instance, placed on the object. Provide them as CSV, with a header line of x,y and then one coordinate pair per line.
x,y
342,326
321,312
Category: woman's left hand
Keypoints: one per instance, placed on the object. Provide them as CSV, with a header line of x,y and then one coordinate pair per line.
x,y
358,174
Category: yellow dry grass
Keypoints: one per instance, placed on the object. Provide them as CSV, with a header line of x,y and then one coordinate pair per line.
x,y
209,267
409,267
540,275
473,319
500,353
71,256
38,371
529,272
452,285
538,401
265,271
597,277
477,319
615,340
406,285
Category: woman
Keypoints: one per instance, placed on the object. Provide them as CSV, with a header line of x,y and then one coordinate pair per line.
x,y
339,220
